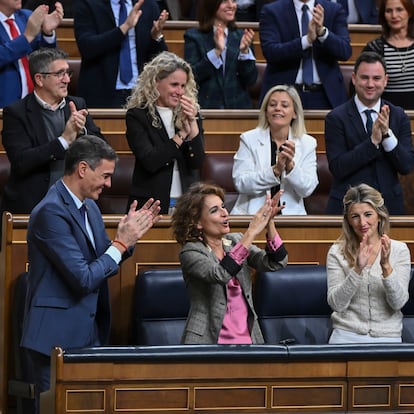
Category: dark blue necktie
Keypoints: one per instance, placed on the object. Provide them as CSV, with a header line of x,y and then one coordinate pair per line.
x,y
307,70
344,5
125,64
82,211
369,122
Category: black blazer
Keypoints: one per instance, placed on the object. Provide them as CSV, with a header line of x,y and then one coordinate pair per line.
x,y
30,152
99,41
154,158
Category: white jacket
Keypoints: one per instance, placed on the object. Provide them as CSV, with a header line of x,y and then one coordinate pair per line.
x,y
253,174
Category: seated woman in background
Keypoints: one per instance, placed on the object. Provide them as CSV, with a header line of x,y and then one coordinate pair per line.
x,y
164,131
221,56
216,265
368,273
277,154
396,45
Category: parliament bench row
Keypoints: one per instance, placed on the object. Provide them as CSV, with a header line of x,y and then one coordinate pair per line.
x,y
360,35
291,306
307,239
295,371
254,90
217,168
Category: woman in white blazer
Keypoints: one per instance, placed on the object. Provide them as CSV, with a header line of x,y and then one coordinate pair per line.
x,y
278,154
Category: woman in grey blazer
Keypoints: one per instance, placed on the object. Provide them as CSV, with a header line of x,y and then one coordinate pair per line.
x,y
216,265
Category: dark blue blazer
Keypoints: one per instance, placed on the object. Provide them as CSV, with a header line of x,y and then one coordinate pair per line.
x,y
10,52
99,41
282,47
68,289
353,159
218,90
367,10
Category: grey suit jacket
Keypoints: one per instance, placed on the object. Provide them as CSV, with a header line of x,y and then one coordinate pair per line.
x,y
206,279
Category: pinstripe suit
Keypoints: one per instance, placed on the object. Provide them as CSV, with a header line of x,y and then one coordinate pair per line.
x,y
206,281
218,90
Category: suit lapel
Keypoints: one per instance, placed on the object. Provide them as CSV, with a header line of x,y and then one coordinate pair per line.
x,y
355,120
34,115
232,51
74,212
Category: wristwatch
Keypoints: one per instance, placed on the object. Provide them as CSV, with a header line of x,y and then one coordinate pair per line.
x,y
324,29
159,38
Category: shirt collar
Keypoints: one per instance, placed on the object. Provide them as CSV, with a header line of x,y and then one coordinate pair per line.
x,y
76,200
361,107
3,17
298,4
47,106
226,30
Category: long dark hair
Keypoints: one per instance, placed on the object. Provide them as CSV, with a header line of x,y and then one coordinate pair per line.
x,y
206,14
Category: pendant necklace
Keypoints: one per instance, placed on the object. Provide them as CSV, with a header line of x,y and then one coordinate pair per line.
x,y
403,64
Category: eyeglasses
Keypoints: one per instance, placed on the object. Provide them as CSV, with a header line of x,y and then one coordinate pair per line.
x,y
60,74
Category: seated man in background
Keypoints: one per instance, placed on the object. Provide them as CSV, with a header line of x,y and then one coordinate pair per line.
x,y
38,129
21,32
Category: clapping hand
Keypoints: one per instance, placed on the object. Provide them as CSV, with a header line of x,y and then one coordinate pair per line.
x,y
246,40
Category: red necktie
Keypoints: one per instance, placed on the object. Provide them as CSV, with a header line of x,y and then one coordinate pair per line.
x,y
14,33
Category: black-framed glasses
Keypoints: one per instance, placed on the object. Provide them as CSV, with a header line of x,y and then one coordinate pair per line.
x,y
60,74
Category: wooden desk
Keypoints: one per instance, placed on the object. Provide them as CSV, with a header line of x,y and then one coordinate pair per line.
x,y
259,379
174,35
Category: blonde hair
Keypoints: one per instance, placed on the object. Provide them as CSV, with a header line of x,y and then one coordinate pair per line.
x,y
348,240
145,93
298,124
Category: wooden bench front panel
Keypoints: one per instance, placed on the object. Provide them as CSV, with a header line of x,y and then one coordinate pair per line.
x,y
217,386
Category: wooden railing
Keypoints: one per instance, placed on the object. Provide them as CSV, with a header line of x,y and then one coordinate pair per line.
x,y
360,35
222,128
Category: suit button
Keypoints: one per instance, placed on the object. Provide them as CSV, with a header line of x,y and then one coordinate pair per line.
x,y
92,315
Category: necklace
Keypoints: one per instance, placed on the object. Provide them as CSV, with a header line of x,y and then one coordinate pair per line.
x,y
403,64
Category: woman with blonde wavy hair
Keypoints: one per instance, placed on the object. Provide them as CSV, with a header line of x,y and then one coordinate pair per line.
x,y
164,131
368,273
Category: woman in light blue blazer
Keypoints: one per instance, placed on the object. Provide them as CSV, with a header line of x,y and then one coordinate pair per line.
x,y
278,154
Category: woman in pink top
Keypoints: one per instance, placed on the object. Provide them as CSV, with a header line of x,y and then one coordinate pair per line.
x,y
216,265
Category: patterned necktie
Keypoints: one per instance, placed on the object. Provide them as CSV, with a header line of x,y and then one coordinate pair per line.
x,y
307,70
125,64
369,122
14,33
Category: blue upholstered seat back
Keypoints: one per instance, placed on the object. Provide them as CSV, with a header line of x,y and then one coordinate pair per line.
x,y
408,312
161,307
291,305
